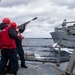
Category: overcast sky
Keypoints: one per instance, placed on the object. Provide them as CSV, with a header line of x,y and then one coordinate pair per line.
x,y
50,13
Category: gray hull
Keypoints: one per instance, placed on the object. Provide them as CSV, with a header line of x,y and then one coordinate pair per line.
x,y
66,39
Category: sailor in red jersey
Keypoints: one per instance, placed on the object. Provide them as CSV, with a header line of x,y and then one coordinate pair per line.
x,y
8,46
14,26
19,49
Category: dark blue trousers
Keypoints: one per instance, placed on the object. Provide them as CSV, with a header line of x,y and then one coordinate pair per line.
x,y
20,52
10,55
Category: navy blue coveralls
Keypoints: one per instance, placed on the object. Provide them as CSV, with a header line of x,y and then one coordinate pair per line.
x,y
20,50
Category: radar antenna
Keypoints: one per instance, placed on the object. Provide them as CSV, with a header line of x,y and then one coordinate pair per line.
x,y
64,23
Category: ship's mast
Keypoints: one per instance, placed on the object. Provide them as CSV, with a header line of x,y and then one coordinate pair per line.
x,y
64,23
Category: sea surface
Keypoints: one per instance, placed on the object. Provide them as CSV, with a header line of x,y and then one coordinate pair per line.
x,y
42,48
38,41
35,44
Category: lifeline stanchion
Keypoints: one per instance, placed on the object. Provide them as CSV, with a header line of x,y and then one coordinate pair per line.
x,y
58,60
49,53
71,64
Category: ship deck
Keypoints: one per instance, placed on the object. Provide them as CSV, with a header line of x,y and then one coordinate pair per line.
x,y
38,68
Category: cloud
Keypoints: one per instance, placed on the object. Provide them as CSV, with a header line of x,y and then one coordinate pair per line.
x,y
69,3
50,14
11,3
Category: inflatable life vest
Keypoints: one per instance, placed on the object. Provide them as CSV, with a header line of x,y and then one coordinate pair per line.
x,y
5,41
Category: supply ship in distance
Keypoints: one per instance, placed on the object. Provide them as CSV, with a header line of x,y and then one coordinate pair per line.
x,y
65,34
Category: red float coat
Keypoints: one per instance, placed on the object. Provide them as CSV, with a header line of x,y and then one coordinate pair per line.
x,y
5,41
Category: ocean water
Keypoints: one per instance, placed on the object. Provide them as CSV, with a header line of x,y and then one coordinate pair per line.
x,y
37,41
42,48
39,46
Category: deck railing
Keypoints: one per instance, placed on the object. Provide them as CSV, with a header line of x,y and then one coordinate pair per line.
x,y
43,53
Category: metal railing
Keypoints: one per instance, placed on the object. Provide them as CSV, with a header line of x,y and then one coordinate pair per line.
x,y
43,53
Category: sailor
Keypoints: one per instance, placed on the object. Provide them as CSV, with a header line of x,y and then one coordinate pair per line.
x,y
8,47
20,50
14,26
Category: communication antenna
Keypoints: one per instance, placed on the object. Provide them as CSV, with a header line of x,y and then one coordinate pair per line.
x,y
64,23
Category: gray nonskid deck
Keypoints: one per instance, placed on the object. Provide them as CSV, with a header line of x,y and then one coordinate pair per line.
x,y
38,68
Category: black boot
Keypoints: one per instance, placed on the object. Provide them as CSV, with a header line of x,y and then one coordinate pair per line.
x,y
15,73
1,73
5,71
67,73
24,66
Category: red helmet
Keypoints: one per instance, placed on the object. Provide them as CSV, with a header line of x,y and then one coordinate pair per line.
x,y
6,20
13,25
